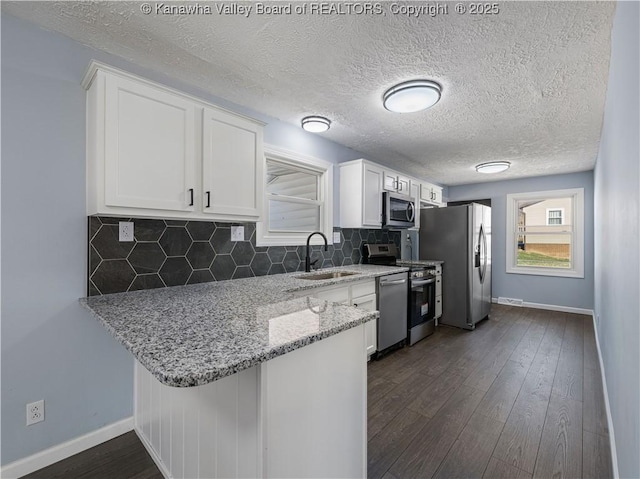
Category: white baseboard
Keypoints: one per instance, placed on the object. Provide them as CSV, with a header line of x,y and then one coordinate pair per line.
x,y
612,436
548,307
555,307
154,455
45,458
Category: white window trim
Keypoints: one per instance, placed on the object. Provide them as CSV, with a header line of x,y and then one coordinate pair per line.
x,y
561,210
266,238
577,250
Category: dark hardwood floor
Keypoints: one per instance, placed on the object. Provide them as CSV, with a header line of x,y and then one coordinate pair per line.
x,y
123,457
520,397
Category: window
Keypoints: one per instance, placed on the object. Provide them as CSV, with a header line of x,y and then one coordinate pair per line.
x,y
545,233
298,199
554,217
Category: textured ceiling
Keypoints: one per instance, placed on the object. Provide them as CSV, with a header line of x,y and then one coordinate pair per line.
x,y
526,85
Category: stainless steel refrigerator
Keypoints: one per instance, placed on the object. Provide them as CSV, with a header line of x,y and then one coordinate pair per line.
x,y
461,237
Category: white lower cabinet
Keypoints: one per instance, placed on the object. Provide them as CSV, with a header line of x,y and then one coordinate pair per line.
x,y
280,419
368,303
361,294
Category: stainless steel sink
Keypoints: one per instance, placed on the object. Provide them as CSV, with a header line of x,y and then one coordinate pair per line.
x,y
328,275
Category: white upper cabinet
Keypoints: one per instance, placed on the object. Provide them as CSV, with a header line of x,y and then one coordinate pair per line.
x,y
155,152
361,186
431,194
149,147
232,164
397,183
360,195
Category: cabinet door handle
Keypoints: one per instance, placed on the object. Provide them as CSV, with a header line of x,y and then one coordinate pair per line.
x,y
208,193
191,196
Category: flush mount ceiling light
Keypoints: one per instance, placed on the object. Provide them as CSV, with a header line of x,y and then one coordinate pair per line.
x,y
411,96
493,167
316,124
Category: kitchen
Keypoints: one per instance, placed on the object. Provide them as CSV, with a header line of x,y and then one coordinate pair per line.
x,y
53,349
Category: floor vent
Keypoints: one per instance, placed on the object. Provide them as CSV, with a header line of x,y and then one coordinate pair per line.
x,y
510,301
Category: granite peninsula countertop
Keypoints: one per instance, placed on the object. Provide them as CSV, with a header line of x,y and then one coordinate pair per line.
x,y
192,335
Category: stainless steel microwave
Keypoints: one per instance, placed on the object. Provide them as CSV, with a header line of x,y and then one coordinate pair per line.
x,y
398,211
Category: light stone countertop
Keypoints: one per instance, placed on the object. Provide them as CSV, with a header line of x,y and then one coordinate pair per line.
x,y
192,335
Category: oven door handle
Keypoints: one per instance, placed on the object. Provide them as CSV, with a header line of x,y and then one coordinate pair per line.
x,y
422,283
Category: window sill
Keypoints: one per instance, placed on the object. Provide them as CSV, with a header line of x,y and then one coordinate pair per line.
x,y
547,272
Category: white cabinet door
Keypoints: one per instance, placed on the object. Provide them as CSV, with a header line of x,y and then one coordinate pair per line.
x,y
404,185
397,183
437,195
232,164
372,197
431,194
426,194
390,181
149,147
368,303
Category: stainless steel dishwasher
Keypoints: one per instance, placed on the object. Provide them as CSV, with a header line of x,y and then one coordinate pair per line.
x,y
392,305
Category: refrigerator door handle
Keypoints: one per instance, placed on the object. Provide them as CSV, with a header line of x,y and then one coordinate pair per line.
x,y
482,247
486,253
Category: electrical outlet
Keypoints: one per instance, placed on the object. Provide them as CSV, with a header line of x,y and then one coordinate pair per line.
x,y
336,237
125,233
237,233
35,412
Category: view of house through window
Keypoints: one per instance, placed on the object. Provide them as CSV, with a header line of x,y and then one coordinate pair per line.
x,y
543,239
547,232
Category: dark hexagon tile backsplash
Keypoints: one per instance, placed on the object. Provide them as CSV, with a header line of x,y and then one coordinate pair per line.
x,y
175,252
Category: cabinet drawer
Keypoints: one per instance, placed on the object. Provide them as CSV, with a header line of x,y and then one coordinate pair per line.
x,y
335,295
439,286
368,302
363,289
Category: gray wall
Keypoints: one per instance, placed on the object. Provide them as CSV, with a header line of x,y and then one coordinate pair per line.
x,y
617,263
577,293
51,348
